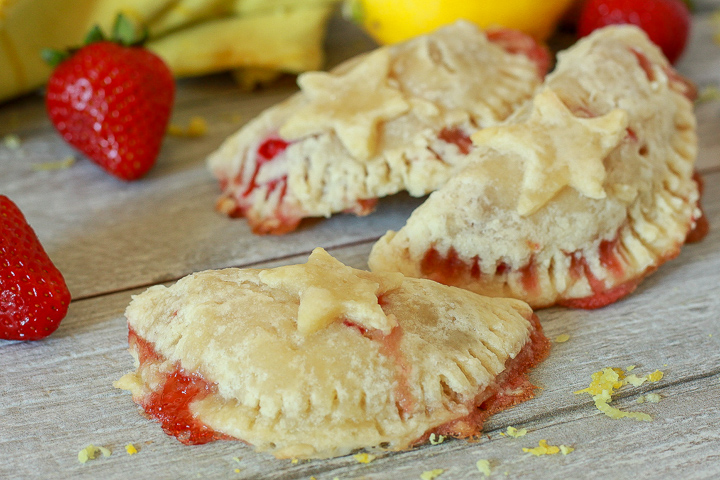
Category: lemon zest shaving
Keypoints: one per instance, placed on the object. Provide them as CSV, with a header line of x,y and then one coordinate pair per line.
x,y
653,397
542,449
196,128
604,384
66,162
515,433
562,338
564,449
130,449
12,141
709,93
364,457
431,474
91,452
635,381
436,441
483,467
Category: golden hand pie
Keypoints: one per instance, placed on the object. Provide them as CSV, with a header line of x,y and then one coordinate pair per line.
x,y
397,118
319,360
574,199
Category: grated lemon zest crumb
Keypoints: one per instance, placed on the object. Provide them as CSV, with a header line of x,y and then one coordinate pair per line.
x,y
91,452
564,449
604,384
66,162
294,461
562,338
630,368
196,128
515,433
436,441
364,457
483,467
237,459
609,379
542,449
237,470
653,397
636,381
130,449
12,141
709,93
431,474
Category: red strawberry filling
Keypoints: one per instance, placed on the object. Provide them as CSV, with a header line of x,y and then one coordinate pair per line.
x,y
510,388
285,218
677,82
390,347
452,270
170,404
457,137
516,42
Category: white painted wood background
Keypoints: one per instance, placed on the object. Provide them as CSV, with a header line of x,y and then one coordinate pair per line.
x,y
112,239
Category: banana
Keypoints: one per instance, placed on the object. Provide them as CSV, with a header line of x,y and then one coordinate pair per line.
x,y
288,40
194,37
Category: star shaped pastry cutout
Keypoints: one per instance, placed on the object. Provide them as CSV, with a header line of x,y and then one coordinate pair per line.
x,y
352,104
330,291
559,149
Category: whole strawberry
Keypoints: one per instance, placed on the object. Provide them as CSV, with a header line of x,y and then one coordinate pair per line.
x,y
112,101
667,22
33,295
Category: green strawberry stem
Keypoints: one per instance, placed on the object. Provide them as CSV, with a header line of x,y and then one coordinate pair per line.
x,y
127,33
124,32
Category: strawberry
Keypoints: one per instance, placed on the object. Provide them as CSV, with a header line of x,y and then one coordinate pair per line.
x,y
33,295
667,22
112,100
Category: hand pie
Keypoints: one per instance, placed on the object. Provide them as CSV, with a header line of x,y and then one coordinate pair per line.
x,y
318,360
577,197
398,118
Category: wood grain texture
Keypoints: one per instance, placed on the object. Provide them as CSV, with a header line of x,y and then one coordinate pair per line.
x,y
112,239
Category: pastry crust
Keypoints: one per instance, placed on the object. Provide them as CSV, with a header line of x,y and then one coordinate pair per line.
x,y
234,336
398,118
575,198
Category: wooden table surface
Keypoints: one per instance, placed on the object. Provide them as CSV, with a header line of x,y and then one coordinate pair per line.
x,y
113,239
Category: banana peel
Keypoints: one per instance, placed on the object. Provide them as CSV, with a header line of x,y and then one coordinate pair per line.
x,y
194,37
248,41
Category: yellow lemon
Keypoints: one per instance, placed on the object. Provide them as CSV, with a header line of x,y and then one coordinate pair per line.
x,y
391,21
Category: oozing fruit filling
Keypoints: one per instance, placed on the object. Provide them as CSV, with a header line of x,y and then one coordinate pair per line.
x,y
510,388
170,403
452,270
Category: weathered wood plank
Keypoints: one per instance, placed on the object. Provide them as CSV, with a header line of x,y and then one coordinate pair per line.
x,y
57,394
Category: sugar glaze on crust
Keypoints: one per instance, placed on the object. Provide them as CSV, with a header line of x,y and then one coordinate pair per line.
x,y
227,352
578,196
398,118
